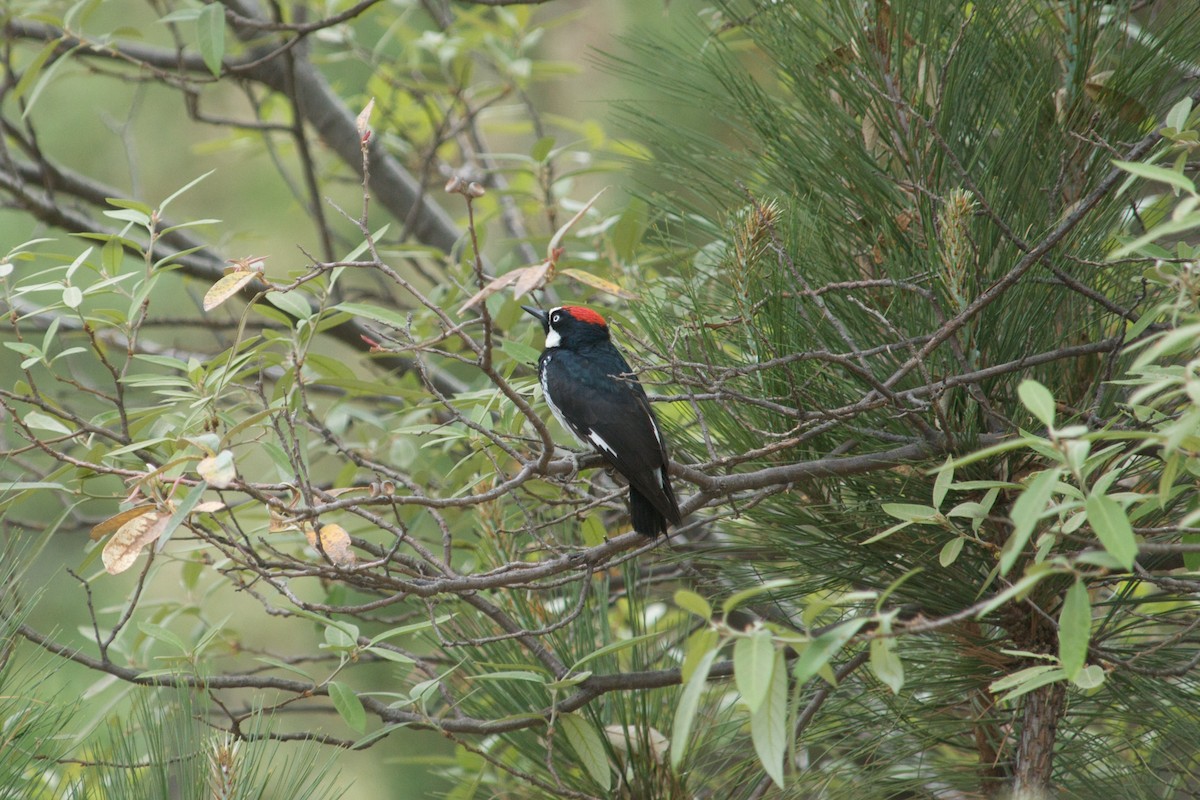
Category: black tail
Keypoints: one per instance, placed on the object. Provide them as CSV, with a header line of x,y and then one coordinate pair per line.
x,y
647,514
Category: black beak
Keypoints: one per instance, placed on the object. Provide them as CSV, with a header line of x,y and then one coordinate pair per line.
x,y
542,316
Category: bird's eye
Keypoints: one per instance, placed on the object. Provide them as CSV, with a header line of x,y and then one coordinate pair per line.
x,y
556,318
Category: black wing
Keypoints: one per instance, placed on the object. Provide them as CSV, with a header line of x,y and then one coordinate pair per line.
x,y
613,415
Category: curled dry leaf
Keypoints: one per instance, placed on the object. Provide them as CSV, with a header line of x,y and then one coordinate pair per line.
x,y
363,120
534,276
117,520
335,542
131,538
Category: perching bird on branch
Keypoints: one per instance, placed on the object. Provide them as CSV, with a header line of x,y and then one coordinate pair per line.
x,y
592,391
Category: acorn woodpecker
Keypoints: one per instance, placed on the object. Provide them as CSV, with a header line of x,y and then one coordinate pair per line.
x,y
592,391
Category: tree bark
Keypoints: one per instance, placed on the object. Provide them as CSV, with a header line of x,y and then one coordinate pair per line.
x,y
1041,711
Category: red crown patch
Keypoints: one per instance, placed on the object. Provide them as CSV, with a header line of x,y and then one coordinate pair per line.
x,y
585,315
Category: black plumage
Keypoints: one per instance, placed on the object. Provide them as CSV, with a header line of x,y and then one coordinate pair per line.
x,y
592,391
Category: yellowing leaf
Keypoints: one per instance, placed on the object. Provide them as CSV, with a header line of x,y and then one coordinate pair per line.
x,y
117,520
595,282
227,287
335,542
218,471
131,538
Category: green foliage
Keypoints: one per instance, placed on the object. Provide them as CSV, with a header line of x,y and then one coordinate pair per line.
x,y
929,388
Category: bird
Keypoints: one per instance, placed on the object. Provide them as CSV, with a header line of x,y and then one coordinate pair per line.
x,y
591,390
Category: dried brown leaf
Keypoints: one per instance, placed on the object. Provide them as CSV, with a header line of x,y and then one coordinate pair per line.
x,y
117,520
335,542
131,538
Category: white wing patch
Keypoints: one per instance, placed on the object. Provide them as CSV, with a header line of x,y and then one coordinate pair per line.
x,y
598,440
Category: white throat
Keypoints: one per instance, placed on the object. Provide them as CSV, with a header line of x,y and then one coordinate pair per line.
x,y
553,339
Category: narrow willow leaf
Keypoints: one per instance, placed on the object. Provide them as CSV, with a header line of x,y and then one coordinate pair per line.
x,y
753,662
1038,400
1074,629
886,664
823,648
685,712
1156,173
210,36
588,745
1026,512
44,422
690,601
347,704
1112,528
697,646
950,551
1090,677
768,724
941,484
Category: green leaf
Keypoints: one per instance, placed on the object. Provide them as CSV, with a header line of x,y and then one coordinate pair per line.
x,y
1090,677
292,303
685,712
690,601
1112,528
941,484
737,598
280,664
210,36
72,296
886,664
1020,587
1038,400
1074,629
697,646
390,655
1027,680
164,635
519,351
395,319
509,675
587,744
753,662
1178,115
541,148
823,648
615,647
910,512
768,724
190,500
44,422
1156,173
163,205
347,704
1026,512
950,551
